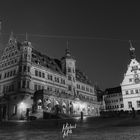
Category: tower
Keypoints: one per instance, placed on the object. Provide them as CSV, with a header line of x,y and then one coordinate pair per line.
x,y
68,67
132,51
131,82
25,66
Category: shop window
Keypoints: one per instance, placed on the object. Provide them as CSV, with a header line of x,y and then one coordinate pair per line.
x,y
129,104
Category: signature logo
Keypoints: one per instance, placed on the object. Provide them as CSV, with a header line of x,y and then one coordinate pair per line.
x,y
67,129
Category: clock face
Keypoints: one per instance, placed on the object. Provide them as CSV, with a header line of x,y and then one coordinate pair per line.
x,y
136,75
137,80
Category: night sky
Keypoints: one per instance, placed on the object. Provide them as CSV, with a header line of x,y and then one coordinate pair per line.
x,y
98,33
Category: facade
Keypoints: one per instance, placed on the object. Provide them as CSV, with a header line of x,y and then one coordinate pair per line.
x,y
113,99
129,94
131,83
24,70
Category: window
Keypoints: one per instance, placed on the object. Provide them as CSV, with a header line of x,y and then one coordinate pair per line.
x,y
83,88
122,105
24,68
69,88
126,92
43,75
11,73
15,110
69,69
28,84
130,80
69,78
138,104
35,87
132,92
121,99
39,74
14,72
23,84
50,77
28,69
136,91
91,90
20,69
129,104
36,73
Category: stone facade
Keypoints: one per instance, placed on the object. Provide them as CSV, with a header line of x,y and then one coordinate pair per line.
x,y
24,70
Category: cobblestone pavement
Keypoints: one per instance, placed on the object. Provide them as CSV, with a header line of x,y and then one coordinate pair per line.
x,y
93,129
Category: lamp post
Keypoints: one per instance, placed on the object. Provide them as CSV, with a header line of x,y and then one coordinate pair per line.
x,y
22,107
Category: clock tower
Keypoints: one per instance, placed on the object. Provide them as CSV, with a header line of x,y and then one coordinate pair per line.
x,y
131,83
68,67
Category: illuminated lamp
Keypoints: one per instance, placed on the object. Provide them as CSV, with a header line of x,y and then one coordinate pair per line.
x,y
22,106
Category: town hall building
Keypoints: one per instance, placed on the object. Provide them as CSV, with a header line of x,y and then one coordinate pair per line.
x,y
24,71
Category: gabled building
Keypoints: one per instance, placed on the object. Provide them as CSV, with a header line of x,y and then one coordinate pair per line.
x,y
131,83
24,70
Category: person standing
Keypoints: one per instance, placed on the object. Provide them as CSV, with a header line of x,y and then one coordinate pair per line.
x,y
133,113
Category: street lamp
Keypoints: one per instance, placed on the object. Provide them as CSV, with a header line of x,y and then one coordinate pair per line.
x,y
22,107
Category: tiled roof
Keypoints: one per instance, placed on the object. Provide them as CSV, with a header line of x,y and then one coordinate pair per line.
x,y
55,65
80,76
46,61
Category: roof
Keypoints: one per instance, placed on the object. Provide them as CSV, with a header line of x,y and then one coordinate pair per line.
x,y
113,90
56,65
80,76
44,60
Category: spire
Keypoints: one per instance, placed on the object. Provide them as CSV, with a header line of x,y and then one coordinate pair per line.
x,y
26,37
132,51
11,38
67,50
0,26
